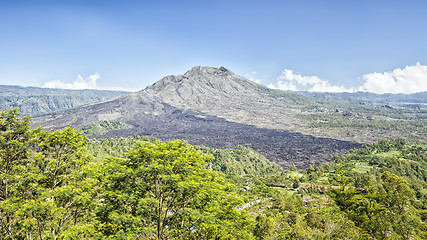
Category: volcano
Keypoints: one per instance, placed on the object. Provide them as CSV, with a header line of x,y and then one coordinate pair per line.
x,y
212,107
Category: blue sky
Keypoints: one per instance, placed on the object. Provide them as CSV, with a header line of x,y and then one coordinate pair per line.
x,y
301,45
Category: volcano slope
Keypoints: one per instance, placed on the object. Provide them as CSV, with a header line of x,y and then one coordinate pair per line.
x,y
173,109
220,92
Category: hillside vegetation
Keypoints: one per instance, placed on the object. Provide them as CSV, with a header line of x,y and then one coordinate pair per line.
x,y
102,127
366,123
240,161
58,184
37,101
418,100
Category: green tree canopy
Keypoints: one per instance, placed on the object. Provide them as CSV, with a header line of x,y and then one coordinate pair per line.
x,y
163,190
45,191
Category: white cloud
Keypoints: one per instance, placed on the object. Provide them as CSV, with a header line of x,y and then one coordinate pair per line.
x,y
411,79
296,82
81,83
253,77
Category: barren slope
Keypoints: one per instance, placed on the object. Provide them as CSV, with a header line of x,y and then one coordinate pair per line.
x,y
220,92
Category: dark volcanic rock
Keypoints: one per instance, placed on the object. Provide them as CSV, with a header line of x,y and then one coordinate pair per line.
x,y
281,147
152,118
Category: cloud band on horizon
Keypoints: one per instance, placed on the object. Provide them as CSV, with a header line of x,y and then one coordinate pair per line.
x,y
411,79
81,83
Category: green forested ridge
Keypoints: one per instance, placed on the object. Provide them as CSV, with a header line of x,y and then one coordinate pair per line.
x,y
36,101
60,185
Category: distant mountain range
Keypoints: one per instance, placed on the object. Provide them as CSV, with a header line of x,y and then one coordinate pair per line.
x,y
414,100
36,101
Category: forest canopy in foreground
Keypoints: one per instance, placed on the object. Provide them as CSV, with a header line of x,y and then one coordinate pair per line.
x,y
52,187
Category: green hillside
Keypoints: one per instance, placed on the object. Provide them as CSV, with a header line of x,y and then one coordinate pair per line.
x,y
36,101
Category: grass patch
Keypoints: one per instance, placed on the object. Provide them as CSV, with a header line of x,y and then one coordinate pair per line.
x,y
323,178
293,174
101,127
393,153
362,167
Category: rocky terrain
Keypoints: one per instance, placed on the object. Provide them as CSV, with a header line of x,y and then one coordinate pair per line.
x,y
152,118
220,92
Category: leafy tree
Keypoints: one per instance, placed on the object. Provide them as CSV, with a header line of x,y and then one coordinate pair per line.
x,y
15,138
162,190
292,167
344,196
396,199
296,183
63,190
45,190
397,190
264,227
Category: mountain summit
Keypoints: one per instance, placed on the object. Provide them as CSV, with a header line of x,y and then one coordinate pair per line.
x,y
202,87
204,80
220,92
212,107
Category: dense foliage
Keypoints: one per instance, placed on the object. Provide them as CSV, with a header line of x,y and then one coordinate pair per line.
x,y
45,192
58,184
238,161
376,192
51,188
